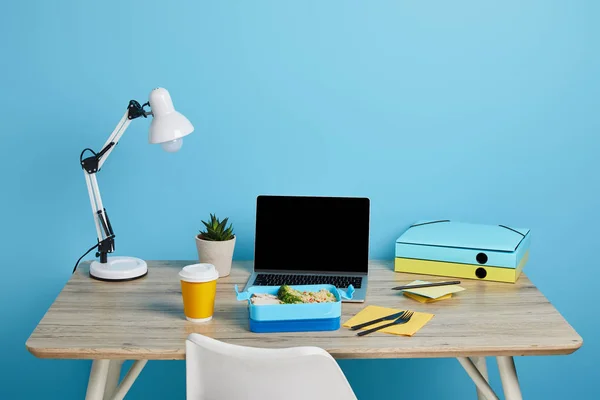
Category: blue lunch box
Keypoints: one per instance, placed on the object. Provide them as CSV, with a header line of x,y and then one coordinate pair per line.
x,y
304,317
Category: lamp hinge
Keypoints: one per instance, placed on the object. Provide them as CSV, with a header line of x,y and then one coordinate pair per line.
x,y
136,110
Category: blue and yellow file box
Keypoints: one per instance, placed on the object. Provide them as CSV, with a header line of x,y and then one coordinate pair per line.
x,y
463,250
307,317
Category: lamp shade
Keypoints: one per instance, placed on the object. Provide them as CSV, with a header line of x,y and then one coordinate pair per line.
x,y
167,126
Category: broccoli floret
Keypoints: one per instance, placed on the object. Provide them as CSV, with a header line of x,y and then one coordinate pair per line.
x,y
287,295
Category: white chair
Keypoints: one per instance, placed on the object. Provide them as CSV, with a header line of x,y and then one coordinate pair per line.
x,y
221,371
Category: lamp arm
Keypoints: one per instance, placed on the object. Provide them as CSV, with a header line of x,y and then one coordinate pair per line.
x,y
113,139
104,230
134,110
92,164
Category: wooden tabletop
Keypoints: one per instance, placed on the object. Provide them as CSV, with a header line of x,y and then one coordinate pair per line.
x,y
144,319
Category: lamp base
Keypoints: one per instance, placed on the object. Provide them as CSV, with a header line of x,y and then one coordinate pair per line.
x,y
119,269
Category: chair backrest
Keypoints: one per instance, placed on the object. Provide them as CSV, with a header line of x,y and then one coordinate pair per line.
x,y
217,371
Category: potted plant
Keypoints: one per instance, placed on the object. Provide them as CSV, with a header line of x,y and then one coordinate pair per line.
x,y
215,244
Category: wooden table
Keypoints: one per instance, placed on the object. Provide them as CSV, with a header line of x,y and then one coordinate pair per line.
x,y
142,320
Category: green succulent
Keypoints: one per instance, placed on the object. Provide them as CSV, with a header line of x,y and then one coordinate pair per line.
x,y
216,230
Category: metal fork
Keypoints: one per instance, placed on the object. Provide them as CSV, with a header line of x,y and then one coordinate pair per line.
x,y
400,320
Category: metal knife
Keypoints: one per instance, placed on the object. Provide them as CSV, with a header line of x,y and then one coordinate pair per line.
x,y
386,318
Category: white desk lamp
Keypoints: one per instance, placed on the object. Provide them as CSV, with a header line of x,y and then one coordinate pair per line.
x,y
168,127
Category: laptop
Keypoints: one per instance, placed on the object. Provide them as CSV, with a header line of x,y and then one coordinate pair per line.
x,y
304,240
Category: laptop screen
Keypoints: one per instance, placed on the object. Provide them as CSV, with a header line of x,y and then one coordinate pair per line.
x,y
301,233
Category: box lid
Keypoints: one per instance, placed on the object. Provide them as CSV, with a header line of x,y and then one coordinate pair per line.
x,y
445,233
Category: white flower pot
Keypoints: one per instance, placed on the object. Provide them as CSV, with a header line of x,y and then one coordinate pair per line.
x,y
219,254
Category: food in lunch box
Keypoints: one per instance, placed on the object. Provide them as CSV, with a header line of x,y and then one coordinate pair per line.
x,y
264,298
288,295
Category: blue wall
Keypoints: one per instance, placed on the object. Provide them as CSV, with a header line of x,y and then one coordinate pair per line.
x,y
471,110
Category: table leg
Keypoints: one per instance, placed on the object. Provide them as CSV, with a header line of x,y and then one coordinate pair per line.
x,y
127,382
480,364
508,375
97,381
112,380
478,379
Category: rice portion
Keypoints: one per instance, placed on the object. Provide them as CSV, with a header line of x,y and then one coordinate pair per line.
x,y
322,296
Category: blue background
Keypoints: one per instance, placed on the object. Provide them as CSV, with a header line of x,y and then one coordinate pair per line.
x,y
481,111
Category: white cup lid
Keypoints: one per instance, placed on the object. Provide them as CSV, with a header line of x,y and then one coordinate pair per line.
x,y
199,273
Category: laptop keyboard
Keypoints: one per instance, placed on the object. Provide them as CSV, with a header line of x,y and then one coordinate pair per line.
x,y
279,279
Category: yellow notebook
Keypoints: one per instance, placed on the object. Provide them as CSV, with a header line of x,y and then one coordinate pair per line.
x,y
423,299
433,292
370,313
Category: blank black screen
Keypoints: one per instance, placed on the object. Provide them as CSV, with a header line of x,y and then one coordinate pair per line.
x,y
312,233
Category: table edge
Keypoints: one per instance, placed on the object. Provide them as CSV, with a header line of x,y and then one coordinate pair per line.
x,y
390,353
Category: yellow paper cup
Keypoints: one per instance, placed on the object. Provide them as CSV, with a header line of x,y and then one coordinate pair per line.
x,y
198,289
